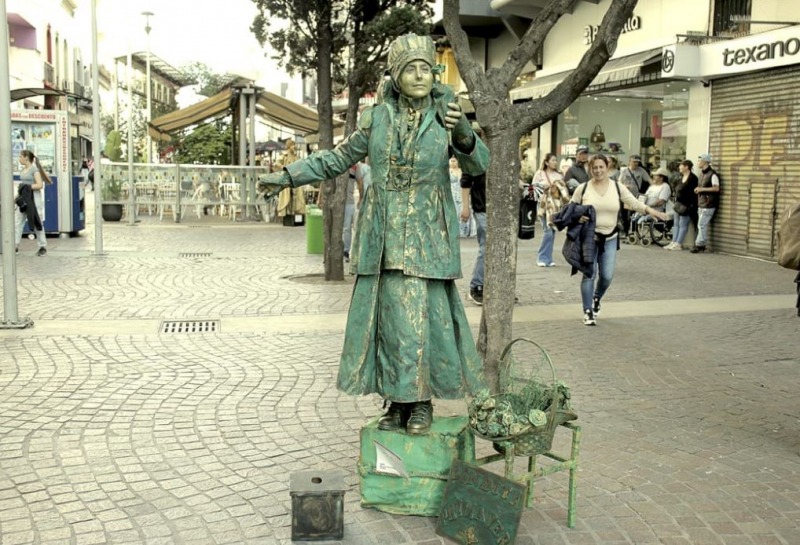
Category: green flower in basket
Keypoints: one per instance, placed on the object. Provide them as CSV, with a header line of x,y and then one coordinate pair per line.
x,y
525,414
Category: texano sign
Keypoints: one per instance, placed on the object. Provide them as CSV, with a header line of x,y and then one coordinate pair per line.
x,y
757,52
763,52
479,507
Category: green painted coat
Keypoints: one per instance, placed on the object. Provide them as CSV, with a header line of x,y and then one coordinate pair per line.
x,y
429,236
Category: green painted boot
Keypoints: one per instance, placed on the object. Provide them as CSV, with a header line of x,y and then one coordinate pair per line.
x,y
420,418
394,418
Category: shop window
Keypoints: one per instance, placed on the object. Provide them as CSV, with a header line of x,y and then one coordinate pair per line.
x,y
724,10
649,121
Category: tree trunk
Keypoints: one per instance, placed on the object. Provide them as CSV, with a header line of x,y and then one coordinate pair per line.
x,y
502,202
332,190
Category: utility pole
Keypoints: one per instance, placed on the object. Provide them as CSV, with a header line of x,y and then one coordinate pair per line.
x,y
147,29
10,310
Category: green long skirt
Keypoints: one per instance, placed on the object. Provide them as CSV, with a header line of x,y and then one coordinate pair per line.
x,y
408,339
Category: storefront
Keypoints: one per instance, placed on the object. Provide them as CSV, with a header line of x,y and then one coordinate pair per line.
x,y
631,107
754,132
650,121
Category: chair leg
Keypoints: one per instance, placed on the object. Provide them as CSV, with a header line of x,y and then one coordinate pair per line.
x,y
573,477
531,470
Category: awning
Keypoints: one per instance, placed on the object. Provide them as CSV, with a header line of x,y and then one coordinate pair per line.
x,y
212,107
615,70
277,109
289,114
20,94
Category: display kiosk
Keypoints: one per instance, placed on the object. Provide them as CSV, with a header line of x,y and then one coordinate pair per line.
x,y
46,133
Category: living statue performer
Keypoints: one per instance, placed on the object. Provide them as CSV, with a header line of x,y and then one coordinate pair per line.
x,y
290,202
407,336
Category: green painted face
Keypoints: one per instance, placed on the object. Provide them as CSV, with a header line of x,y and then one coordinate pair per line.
x,y
416,79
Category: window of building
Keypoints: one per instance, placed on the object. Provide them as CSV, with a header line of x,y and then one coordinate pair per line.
x,y
724,9
627,118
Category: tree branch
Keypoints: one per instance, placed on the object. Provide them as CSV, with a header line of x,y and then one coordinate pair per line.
x,y
471,72
539,111
505,76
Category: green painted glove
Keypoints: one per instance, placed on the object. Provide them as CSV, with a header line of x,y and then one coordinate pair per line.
x,y
270,185
463,135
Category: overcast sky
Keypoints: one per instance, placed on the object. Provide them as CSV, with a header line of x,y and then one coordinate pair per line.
x,y
210,31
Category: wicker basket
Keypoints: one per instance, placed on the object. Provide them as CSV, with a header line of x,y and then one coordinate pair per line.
x,y
532,440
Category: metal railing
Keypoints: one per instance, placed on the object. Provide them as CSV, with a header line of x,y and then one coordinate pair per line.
x,y
177,189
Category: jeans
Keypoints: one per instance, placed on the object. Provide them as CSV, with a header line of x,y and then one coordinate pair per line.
x,y
347,231
477,273
703,219
546,246
464,228
682,227
605,266
21,219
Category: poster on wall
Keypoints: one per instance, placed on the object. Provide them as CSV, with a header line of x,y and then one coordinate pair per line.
x,y
36,137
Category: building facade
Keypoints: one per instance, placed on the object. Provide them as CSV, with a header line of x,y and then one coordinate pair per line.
x,y
688,77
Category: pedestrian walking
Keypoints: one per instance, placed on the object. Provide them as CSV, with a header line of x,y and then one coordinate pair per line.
x,y
552,192
606,197
30,207
473,195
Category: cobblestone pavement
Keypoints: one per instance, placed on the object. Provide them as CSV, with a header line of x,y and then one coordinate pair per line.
x,y
111,432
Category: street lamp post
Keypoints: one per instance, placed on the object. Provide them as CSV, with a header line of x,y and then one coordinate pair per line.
x,y
147,29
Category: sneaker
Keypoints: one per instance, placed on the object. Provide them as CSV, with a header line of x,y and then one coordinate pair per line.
x,y
476,295
41,252
551,264
669,246
588,317
676,247
541,264
596,306
698,249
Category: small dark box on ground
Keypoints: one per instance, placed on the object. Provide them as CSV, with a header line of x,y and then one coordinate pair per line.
x,y
293,220
317,505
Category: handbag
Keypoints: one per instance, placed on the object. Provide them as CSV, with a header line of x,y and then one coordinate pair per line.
x,y
648,139
527,219
597,136
680,208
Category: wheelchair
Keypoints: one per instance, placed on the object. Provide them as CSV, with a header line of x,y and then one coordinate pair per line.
x,y
650,230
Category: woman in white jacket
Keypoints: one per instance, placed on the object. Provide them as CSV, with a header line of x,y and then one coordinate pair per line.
x,y
551,192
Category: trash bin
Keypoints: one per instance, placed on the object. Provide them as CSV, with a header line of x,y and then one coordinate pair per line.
x,y
314,239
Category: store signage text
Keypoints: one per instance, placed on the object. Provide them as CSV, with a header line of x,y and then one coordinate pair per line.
x,y
33,116
763,52
590,32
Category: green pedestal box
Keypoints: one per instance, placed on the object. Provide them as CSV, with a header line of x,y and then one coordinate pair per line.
x,y
424,459
314,236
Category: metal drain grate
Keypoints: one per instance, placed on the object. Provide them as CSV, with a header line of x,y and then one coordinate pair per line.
x,y
189,326
195,254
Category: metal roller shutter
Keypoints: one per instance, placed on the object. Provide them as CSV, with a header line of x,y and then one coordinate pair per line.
x,y
755,143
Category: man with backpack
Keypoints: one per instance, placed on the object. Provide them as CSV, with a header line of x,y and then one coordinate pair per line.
x,y
707,200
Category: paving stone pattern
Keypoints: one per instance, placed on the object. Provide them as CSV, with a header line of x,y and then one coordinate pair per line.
x,y
690,422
